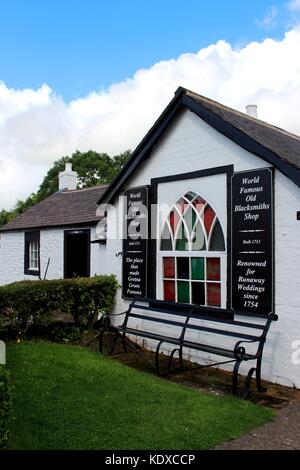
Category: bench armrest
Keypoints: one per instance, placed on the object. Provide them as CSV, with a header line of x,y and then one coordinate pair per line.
x,y
107,316
114,314
240,351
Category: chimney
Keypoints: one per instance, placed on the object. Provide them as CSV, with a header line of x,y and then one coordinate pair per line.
x,y
252,110
68,178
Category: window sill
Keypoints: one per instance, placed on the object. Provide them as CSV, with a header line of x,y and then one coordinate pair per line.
x,y
32,272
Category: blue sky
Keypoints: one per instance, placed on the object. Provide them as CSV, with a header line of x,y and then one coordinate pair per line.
x,y
76,46
89,74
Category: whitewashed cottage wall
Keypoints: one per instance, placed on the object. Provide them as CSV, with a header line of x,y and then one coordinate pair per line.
x,y
51,246
190,145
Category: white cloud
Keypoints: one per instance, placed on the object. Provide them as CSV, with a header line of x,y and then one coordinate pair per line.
x,y
37,127
294,5
269,21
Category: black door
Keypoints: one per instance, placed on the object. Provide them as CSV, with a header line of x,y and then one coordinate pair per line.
x,y
77,253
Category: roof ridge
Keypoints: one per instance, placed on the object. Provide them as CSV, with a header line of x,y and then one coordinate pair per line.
x,y
58,210
192,94
69,191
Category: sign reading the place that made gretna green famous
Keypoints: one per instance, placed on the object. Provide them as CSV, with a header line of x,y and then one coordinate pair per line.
x,y
135,243
252,241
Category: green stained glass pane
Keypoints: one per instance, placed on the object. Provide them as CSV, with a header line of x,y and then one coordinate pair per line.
x,y
183,292
198,269
181,242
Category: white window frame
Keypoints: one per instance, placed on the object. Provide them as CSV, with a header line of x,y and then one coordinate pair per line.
x,y
196,254
33,256
222,255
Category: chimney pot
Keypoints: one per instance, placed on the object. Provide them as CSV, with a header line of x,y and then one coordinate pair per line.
x,y
252,110
68,178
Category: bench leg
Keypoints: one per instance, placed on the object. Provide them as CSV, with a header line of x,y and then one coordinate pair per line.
x,y
114,344
171,358
248,382
259,386
101,340
235,377
124,342
157,358
181,358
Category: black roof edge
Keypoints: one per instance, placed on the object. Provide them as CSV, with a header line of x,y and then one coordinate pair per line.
x,y
90,223
144,146
228,130
242,139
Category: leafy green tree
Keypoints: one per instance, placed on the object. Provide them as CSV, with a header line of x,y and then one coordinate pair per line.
x,y
4,217
93,169
119,161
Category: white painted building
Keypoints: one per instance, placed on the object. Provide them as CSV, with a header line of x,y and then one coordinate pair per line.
x,y
191,161
56,238
193,150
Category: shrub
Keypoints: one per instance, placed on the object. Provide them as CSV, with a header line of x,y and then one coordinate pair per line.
x,y
5,406
35,302
61,333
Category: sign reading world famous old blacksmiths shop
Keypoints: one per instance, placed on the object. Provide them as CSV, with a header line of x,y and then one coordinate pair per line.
x,y
135,243
252,241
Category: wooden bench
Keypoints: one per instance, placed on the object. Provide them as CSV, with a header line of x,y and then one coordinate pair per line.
x,y
148,315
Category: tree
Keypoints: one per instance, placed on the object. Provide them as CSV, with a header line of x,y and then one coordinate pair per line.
x,y
119,161
93,169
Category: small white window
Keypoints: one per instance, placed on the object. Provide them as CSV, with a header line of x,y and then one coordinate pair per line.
x,y
34,256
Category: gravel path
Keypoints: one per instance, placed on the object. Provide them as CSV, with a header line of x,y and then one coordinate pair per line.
x,y
281,434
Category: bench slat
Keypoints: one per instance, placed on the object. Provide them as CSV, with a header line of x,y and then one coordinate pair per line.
x,y
156,319
186,344
201,317
209,310
191,326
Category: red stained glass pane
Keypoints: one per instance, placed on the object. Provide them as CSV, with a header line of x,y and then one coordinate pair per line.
x,y
172,221
214,295
213,269
181,205
198,203
169,267
209,215
169,290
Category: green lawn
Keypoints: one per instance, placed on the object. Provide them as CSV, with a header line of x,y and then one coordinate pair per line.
x,y
66,397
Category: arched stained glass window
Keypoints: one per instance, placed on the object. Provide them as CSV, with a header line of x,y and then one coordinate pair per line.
x,y
192,251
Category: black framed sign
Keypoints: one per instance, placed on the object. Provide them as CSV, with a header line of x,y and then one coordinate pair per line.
x,y
135,243
252,241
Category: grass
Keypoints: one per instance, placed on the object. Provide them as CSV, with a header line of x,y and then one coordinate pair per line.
x,y
66,397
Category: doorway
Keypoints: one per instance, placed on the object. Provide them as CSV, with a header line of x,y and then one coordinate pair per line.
x,y
77,253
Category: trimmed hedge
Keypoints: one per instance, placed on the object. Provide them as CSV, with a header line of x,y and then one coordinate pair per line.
x,y
5,406
34,302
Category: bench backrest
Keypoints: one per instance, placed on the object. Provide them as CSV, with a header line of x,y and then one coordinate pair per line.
x,y
196,319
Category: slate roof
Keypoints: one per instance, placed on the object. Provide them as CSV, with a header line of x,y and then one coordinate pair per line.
x,y
63,208
276,146
281,142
